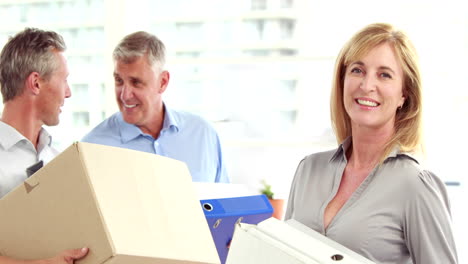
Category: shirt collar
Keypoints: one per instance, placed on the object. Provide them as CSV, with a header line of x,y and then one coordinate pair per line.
x,y
341,150
45,139
396,151
129,132
9,137
170,120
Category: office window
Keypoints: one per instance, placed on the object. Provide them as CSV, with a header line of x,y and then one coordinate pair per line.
x,y
287,52
189,32
254,30
286,3
81,119
287,28
80,95
258,52
23,13
258,4
187,54
287,90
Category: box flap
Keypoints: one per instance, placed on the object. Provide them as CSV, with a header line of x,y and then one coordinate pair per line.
x,y
149,204
52,211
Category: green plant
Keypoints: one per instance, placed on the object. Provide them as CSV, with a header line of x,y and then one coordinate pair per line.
x,y
266,190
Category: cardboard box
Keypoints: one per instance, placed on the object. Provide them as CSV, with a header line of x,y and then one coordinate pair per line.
x,y
126,206
276,242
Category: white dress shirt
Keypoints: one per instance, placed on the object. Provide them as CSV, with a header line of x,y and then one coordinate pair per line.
x,y
17,153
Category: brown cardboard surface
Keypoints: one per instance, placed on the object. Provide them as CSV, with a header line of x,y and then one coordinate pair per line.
x,y
116,201
58,213
164,205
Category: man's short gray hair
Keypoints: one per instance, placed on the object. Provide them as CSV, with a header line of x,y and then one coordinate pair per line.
x,y
140,44
31,50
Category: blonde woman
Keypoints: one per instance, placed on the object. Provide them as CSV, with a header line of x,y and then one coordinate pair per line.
x,y
371,194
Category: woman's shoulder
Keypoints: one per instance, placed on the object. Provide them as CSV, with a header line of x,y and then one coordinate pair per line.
x,y
410,173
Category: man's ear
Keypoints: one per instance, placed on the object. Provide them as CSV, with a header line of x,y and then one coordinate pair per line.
x,y
165,76
33,83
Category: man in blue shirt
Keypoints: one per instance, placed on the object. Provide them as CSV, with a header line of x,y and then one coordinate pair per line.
x,y
146,123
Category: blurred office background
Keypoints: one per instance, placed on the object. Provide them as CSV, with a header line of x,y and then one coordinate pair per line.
x,y
260,71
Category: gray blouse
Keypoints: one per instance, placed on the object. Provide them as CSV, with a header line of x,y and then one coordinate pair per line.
x,y
399,213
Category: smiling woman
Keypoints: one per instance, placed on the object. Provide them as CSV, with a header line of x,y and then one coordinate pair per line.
x,y
261,78
377,188
373,90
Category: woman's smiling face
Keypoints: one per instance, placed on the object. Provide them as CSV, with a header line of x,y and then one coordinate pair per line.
x,y
373,88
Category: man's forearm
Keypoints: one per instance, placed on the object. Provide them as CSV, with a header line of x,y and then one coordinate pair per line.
x,y
7,260
66,256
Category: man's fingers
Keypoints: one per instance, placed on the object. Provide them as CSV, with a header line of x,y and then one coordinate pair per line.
x,y
78,253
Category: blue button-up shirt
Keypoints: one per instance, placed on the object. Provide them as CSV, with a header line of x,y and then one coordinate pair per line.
x,y
184,136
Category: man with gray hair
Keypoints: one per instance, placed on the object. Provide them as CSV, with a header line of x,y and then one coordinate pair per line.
x,y
146,123
33,80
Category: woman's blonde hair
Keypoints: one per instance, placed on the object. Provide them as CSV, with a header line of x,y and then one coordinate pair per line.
x,y
408,120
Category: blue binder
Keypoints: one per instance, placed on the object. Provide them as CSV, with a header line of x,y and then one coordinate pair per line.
x,y
223,214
